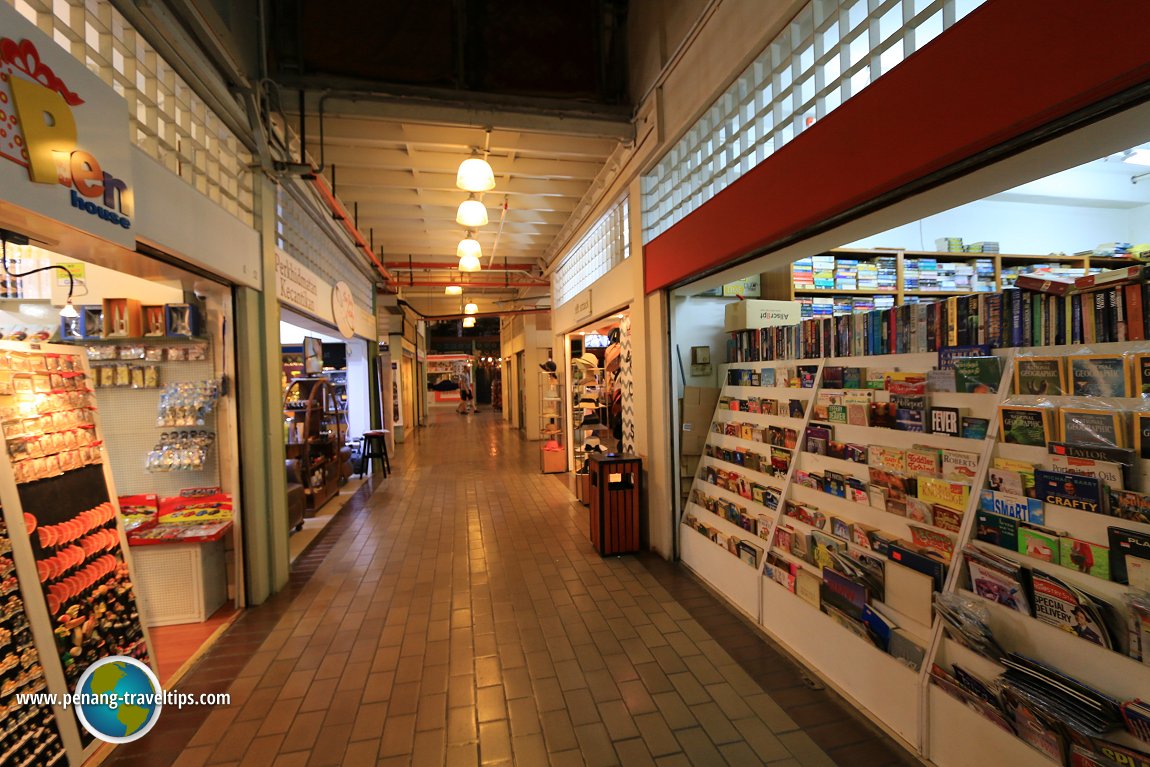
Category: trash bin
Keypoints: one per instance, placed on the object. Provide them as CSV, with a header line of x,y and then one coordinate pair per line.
x,y
615,487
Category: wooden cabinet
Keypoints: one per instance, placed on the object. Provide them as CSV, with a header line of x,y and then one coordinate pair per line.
x,y
315,426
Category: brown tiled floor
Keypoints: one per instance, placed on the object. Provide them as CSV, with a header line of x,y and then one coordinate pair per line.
x,y
459,616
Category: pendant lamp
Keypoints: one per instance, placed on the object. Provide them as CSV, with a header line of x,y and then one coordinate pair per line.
x,y
475,175
453,290
469,254
468,322
472,214
471,308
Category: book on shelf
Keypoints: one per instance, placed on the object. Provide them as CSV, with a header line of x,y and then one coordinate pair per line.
x,y
1109,309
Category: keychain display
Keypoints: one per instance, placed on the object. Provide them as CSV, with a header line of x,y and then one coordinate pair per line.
x,y
28,733
180,451
87,588
189,403
48,419
151,352
125,375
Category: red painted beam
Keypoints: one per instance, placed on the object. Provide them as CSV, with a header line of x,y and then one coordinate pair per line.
x,y
403,266
1008,68
469,284
342,216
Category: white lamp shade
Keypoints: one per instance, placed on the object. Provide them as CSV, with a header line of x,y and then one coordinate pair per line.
x,y
69,311
468,322
453,290
470,308
471,214
469,254
475,175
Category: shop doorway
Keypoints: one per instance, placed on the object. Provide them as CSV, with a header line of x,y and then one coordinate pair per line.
x,y
325,385
160,353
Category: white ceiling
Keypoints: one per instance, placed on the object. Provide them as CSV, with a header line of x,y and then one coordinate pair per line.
x,y
402,177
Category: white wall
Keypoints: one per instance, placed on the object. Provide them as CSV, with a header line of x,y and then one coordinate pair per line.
x,y
100,283
1020,227
697,321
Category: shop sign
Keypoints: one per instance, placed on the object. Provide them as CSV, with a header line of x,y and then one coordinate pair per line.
x,y
366,325
64,147
343,309
582,305
299,286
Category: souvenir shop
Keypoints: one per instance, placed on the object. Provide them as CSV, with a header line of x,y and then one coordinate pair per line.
x,y
912,449
116,365
327,378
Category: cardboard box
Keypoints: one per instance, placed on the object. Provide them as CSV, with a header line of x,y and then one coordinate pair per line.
x,y
696,411
755,313
552,461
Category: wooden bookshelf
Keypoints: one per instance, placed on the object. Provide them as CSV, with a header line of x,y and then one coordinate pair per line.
x,y
778,284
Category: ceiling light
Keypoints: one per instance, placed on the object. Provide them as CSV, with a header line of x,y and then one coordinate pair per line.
x,y
469,254
471,308
472,213
453,290
468,322
1137,157
475,175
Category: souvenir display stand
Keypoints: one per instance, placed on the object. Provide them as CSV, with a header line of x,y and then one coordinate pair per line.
x,y
316,429
75,603
552,453
763,496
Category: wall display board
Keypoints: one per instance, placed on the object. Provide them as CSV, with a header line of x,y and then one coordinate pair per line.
x,y
956,540
76,602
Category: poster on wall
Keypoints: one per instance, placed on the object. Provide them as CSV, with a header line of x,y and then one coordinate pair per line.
x,y
396,410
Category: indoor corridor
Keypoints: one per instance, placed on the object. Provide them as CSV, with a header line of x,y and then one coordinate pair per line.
x,y
456,614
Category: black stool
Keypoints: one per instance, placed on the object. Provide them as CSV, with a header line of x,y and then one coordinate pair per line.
x,y
374,446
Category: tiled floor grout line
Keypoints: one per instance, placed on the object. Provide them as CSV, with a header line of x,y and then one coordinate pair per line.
x,y
460,617
249,630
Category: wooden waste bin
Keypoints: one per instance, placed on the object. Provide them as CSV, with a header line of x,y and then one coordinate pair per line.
x,y
615,487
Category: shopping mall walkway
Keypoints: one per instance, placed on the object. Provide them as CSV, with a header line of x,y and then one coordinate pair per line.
x,y
458,616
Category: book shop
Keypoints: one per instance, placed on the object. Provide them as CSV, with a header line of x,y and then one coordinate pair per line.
x,y
938,410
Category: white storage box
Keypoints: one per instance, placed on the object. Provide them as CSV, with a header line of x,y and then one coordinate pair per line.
x,y
180,582
755,313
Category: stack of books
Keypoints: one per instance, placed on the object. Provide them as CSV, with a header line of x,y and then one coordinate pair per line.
x,y
1055,270
846,274
949,244
824,272
987,246
803,274
887,273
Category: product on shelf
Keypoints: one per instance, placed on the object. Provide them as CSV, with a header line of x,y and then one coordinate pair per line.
x,y
28,733
188,404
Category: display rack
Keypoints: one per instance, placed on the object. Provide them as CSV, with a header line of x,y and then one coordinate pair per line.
x,y
60,509
589,412
550,407
315,430
899,697
130,412
900,276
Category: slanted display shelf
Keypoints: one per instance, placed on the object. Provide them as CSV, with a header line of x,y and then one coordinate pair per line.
x,y
840,501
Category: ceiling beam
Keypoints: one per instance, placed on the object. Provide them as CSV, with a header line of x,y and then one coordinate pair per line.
x,y
347,97
340,129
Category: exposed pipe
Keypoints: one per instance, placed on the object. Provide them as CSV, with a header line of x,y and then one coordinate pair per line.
x,y
507,313
340,214
400,266
444,283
